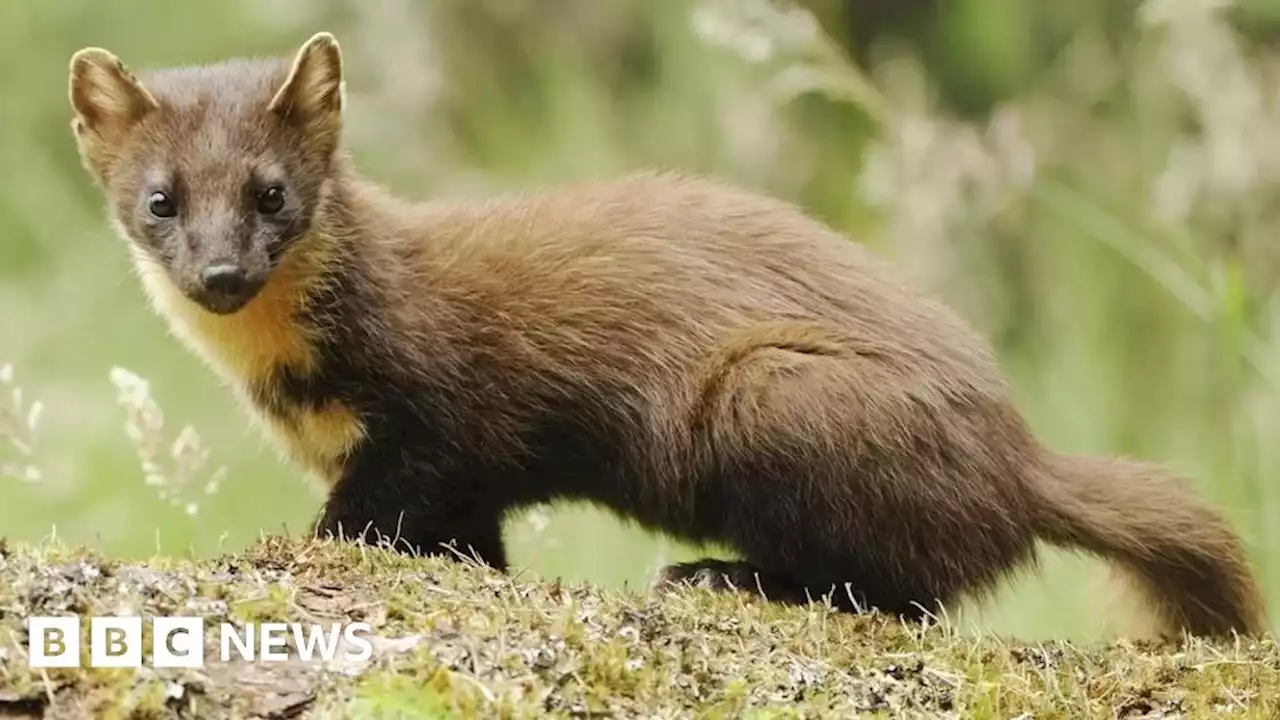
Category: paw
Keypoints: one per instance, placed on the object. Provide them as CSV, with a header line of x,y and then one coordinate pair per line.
x,y
744,576
709,574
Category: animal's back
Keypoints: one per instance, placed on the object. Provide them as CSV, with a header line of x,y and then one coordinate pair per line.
x,y
662,267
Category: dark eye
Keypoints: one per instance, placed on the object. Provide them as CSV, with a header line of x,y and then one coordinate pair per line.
x,y
271,200
161,205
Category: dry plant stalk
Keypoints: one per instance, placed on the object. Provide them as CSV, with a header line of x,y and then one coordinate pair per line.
x,y
19,426
172,468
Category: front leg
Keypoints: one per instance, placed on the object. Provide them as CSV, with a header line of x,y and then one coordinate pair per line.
x,y
414,516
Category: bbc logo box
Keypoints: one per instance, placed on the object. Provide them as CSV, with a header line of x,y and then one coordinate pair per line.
x,y
118,642
115,642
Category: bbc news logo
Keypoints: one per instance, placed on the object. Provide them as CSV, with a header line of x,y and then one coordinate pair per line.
x,y
179,642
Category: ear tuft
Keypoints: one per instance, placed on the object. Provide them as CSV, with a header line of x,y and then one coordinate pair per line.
x,y
104,93
311,95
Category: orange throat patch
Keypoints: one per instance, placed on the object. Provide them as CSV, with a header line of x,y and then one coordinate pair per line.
x,y
246,347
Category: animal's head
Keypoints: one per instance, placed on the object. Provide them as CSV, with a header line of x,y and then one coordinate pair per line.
x,y
213,173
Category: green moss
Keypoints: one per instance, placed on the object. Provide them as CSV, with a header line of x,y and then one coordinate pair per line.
x,y
459,641
268,605
403,696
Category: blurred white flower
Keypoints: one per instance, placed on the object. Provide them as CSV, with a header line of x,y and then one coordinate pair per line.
x,y
19,427
186,456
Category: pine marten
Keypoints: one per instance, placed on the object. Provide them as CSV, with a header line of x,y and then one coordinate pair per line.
x,y
702,360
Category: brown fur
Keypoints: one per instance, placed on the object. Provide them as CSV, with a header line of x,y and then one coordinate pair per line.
x,y
700,359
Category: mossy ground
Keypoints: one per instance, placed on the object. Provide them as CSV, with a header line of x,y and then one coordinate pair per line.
x,y
457,640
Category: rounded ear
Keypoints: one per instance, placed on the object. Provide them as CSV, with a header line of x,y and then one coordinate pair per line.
x,y
108,102
311,97
104,93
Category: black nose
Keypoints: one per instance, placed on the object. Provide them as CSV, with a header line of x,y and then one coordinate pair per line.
x,y
225,279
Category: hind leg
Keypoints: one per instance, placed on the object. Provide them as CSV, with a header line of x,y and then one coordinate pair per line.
x,y
745,576
831,465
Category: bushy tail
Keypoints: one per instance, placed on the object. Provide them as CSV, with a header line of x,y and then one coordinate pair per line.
x,y
1183,556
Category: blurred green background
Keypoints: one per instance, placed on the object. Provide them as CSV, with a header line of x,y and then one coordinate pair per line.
x,y
1093,185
